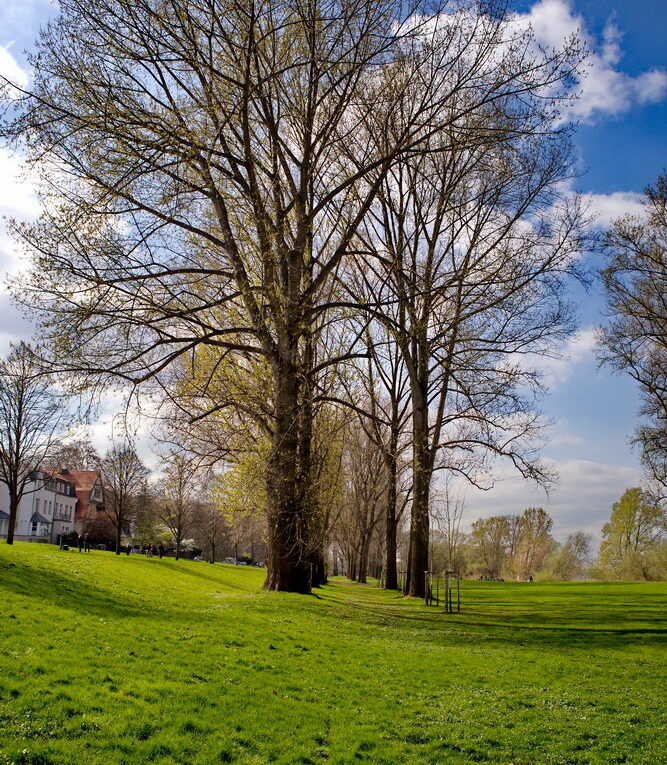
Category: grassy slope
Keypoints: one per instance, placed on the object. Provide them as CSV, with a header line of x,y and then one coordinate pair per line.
x,y
127,660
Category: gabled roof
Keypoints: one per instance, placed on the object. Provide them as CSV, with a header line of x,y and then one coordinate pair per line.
x,y
4,516
84,479
61,476
38,518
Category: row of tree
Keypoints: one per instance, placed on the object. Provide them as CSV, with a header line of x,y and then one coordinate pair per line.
x,y
269,211
329,238
219,512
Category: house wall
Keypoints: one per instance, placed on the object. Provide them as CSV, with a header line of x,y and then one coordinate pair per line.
x,y
51,500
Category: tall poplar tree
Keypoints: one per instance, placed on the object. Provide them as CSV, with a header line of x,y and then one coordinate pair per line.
x,y
209,163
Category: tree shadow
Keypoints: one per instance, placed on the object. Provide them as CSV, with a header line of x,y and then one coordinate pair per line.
x,y
58,589
534,626
191,568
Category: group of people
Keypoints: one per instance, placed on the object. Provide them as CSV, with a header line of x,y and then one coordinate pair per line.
x,y
148,550
81,541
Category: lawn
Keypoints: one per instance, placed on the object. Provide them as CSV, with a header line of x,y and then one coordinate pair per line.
x,y
128,660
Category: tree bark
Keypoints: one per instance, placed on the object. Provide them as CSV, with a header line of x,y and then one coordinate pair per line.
x,y
391,572
419,527
13,515
118,533
319,572
288,564
362,573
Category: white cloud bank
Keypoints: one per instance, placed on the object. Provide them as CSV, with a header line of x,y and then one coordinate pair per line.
x,y
18,199
606,208
11,69
579,348
581,501
604,89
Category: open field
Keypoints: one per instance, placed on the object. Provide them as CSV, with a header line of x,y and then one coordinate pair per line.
x,y
128,660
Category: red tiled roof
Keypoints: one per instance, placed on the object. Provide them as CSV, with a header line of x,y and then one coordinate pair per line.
x,y
84,479
61,476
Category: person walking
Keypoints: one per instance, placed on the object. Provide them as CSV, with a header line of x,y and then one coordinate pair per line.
x,y
86,543
128,549
80,542
160,550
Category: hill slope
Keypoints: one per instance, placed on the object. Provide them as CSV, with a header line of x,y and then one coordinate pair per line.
x,y
128,660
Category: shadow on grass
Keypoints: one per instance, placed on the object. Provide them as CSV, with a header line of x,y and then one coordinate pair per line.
x,y
193,568
585,627
61,590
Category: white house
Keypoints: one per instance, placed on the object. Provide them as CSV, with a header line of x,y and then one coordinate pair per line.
x,y
46,509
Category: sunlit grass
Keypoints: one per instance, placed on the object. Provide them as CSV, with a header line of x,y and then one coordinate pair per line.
x,y
129,660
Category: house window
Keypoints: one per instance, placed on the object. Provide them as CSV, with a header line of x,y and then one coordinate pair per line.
x,y
33,529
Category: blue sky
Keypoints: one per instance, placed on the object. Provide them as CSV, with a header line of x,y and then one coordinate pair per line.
x,y
622,146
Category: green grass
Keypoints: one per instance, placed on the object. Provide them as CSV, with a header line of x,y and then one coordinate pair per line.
x,y
128,660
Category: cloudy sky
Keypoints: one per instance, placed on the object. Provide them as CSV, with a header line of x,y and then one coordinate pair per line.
x,y
622,115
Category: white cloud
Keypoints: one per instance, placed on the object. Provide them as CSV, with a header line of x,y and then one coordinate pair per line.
x,y
582,499
17,188
606,208
603,89
651,86
18,199
115,421
13,327
12,70
579,348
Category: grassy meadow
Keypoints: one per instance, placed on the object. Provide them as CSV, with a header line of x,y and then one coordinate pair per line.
x,y
128,660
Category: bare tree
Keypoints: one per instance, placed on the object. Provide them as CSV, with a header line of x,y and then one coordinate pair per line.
x,y
32,416
210,531
387,392
573,558
462,257
210,163
635,337
490,540
534,543
365,485
75,454
176,500
123,481
447,511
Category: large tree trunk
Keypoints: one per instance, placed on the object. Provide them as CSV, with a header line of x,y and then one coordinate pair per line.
x,y
391,572
118,533
318,569
352,559
288,562
362,573
419,526
14,502
178,548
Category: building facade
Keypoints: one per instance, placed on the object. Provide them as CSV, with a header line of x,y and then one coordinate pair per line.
x,y
89,497
46,511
